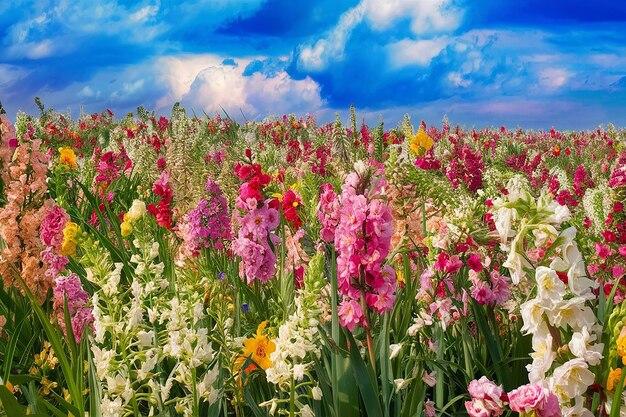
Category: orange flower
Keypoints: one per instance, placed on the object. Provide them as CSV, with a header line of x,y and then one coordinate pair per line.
x,y
258,348
614,377
68,157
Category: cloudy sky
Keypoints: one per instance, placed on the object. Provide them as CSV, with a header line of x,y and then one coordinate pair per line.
x,y
531,63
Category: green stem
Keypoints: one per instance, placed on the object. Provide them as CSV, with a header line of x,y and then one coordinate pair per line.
x,y
196,412
292,399
334,329
439,388
368,333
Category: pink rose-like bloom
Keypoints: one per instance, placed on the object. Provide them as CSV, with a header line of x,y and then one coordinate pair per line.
x,y
68,289
476,408
486,396
593,269
501,287
453,265
527,398
622,250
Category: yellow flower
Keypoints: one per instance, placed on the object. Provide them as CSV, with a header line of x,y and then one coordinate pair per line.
x,y
47,385
400,275
621,345
70,233
126,227
278,196
68,157
420,143
258,348
614,376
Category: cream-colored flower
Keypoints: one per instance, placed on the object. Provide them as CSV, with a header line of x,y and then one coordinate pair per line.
x,y
571,379
549,287
543,354
582,346
136,211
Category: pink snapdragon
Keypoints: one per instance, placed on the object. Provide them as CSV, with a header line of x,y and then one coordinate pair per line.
x,y
618,175
362,239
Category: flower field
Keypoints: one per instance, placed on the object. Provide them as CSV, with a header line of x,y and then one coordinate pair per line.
x,y
187,266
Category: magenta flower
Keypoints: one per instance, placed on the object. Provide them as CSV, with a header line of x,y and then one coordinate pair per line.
x,y
482,293
52,225
68,289
474,263
603,251
209,222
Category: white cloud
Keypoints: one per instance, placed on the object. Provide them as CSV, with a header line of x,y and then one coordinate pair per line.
x,y
86,92
553,78
144,13
415,52
316,57
10,73
203,82
427,16
177,73
32,50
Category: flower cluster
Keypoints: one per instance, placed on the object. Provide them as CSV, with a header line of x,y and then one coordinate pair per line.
x,y
136,211
69,290
208,225
253,243
362,240
51,234
563,292
163,210
20,219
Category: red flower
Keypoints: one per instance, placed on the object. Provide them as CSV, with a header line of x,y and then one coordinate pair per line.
x,y
290,202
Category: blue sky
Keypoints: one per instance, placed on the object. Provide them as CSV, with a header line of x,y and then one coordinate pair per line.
x,y
531,63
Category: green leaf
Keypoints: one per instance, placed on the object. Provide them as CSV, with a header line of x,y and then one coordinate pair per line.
x,y
10,404
365,380
10,351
